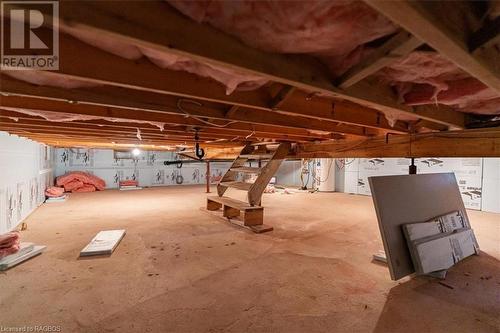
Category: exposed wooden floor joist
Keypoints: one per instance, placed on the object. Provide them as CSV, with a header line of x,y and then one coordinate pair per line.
x,y
166,30
159,103
444,26
99,67
469,143
394,49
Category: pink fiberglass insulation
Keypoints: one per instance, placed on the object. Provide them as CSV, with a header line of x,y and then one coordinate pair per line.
x,y
64,117
54,192
43,78
427,78
74,184
9,243
335,31
85,178
85,188
230,78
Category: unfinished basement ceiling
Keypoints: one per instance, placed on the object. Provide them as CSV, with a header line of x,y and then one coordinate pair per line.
x,y
338,33
184,61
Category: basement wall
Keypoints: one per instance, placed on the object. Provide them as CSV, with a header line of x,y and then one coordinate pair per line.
x,y
26,171
478,178
491,185
288,174
149,169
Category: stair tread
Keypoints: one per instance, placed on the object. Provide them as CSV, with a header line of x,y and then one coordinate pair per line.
x,y
238,204
246,169
237,185
257,156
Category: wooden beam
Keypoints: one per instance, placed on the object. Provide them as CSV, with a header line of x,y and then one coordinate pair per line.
x,y
7,126
7,117
468,143
158,103
233,130
487,36
166,30
283,94
444,25
22,119
447,116
79,138
322,108
151,80
394,49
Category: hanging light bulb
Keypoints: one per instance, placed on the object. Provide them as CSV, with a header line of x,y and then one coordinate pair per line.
x,y
136,152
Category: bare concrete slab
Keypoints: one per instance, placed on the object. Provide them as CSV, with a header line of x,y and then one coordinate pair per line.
x,y
182,270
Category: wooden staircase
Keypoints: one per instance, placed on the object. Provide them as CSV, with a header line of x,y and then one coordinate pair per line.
x,y
252,210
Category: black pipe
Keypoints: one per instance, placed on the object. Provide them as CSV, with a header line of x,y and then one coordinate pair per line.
x,y
412,168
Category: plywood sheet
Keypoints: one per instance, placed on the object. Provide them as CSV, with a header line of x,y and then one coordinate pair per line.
x,y
406,199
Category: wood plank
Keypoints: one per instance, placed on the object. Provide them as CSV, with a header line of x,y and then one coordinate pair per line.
x,y
246,170
213,205
444,25
253,217
6,117
144,76
230,176
237,185
256,156
487,36
166,30
447,116
230,212
268,171
466,143
261,228
122,98
241,205
391,51
105,112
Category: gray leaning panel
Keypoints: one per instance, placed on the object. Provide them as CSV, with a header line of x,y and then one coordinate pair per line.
x,y
410,198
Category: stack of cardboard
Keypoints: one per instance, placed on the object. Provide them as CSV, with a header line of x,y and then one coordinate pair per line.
x,y
438,244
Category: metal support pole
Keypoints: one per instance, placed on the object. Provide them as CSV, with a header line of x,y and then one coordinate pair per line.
x,y
208,176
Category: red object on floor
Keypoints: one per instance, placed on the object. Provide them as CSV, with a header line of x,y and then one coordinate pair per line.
x,y
54,192
9,243
129,182
88,182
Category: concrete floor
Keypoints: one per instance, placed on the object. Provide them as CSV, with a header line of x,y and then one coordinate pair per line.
x,y
179,269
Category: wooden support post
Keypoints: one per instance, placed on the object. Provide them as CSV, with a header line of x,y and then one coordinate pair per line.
x,y
212,205
253,217
230,212
208,176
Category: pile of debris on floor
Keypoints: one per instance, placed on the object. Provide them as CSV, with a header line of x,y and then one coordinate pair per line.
x,y
14,252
